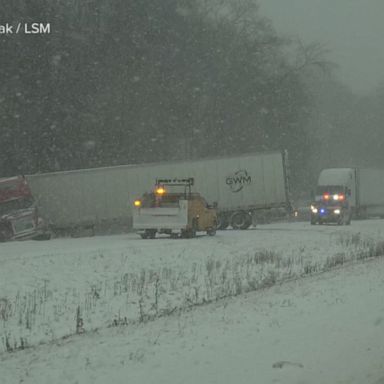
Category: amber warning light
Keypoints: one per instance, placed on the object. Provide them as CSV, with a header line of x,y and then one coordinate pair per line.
x,y
137,203
160,191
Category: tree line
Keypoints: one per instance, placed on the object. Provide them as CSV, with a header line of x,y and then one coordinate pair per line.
x,y
134,81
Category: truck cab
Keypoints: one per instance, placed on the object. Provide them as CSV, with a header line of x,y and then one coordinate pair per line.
x,y
335,197
19,218
331,205
169,210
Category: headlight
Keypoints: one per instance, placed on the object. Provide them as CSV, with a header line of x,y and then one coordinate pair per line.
x,y
313,209
336,211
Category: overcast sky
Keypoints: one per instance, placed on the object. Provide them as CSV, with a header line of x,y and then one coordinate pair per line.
x,y
352,29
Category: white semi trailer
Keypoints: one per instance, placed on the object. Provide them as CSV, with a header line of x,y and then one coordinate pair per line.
x,y
363,189
244,187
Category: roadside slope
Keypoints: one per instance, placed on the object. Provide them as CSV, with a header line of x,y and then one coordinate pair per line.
x,y
327,328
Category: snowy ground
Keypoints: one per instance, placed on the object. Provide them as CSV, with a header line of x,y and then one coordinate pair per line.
x,y
47,287
325,329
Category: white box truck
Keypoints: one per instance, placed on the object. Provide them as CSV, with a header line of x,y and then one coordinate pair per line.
x,y
361,188
243,187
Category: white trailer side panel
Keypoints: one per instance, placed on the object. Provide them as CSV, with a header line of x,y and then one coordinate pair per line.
x,y
106,194
235,183
371,191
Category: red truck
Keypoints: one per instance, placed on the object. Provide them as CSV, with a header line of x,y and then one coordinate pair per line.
x,y
19,217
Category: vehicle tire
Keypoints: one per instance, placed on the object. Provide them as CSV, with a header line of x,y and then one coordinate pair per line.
x,y
313,220
241,220
222,221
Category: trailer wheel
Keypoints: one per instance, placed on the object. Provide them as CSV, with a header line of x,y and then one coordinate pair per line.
x,y
241,220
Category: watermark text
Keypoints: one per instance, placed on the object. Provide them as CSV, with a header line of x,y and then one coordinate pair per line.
x,y
25,28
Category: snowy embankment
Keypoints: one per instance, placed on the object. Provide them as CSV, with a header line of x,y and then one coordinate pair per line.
x,y
328,328
49,290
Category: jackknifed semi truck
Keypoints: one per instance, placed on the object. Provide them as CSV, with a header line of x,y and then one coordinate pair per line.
x,y
245,189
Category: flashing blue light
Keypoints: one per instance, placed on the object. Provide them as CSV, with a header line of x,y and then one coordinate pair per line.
x,y
322,211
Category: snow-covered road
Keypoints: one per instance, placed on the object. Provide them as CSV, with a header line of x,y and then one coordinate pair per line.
x,y
25,264
327,328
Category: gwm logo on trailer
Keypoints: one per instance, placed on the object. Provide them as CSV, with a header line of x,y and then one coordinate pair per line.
x,y
238,180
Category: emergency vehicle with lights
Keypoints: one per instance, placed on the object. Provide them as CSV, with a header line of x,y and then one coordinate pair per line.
x,y
172,208
19,217
331,206
343,193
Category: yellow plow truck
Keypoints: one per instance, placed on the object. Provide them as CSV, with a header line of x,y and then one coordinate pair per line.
x,y
169,210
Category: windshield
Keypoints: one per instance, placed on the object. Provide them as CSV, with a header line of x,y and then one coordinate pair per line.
x,y
169,199
14,205
330,189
